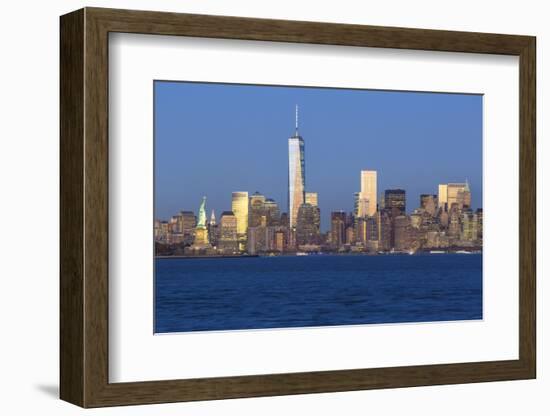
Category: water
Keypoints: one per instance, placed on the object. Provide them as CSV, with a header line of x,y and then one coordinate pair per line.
x,y
306,291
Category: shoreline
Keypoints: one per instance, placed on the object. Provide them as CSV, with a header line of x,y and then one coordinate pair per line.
x,y
239,256
221,256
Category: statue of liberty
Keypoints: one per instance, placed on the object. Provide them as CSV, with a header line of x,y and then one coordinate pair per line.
x,y
202,214
201,232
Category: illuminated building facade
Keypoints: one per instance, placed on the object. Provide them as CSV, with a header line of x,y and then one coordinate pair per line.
x,y
312,199
367,197
296,175
227,241
239,206
455,193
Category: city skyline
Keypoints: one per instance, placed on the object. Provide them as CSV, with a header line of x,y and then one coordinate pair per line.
x,y
234,172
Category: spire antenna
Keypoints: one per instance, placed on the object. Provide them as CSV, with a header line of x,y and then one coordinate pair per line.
x,y
296,119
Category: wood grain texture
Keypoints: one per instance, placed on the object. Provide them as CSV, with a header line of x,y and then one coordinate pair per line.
x,y
84,207
527,208
71,158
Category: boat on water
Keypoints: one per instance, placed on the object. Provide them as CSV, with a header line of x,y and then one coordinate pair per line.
x,y
463,252
437,252
301,253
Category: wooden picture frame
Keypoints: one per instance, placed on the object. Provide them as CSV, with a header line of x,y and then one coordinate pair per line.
x,y
84,207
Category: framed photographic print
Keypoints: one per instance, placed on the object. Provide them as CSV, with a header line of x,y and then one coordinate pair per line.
x,y
255,207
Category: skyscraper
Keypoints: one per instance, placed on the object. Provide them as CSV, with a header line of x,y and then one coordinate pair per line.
x,y
428,202
395,199
469,226
213,229
337,228
402,233
442,195
228,232
479,214
312,198
362,206
308,224
239,206
368,193
256,209
356,196
272,212
187,223
455,193
296,175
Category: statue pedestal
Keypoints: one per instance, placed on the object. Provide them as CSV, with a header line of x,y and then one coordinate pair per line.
x,y
201,242
201,238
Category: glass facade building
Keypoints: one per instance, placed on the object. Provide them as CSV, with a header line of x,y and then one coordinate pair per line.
x,y
308,224
395,199
296,177
312,199
368,194
239,206
455,193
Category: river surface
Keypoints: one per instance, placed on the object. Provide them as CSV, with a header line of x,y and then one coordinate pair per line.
x,y
311,291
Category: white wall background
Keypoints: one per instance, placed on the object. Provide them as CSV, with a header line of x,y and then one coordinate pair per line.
x,y
29,85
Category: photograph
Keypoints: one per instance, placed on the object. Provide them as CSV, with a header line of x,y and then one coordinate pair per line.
x,y
320,212
301,207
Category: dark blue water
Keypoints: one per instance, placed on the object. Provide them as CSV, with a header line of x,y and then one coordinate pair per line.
x,y
283,292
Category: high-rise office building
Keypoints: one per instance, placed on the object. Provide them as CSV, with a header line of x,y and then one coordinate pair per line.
x,y
479,214
443,218
280,239
187,221
239,206
442,195
428,203
257,241
228,232
395,199
454,221
256,199
312,199
351,237
469,230
356,196
296,175
308,225
402,233
455,193
372,228
337,228
361,230
368,193
361,205
381,201
162,231
256,209
272,212
459,193
213,229
385,230
372,241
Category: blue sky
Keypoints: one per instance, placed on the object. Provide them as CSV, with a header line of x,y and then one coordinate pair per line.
x,y
213,139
